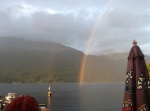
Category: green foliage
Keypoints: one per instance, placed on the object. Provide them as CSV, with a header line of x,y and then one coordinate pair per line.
x,y
37,66
148,67
31,62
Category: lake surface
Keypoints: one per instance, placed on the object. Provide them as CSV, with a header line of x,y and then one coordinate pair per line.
x,y
72,96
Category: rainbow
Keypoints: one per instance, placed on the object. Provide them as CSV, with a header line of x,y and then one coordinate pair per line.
x,y
94,29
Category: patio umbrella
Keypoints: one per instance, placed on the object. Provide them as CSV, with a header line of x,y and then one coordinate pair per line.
x,y
137,83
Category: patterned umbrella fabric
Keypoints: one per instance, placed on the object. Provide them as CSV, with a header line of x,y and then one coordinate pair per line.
x,y
137,83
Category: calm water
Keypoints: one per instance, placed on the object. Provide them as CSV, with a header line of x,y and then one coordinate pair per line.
x,y
72,96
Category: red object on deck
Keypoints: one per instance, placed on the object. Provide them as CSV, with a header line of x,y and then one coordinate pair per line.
x,y
23,103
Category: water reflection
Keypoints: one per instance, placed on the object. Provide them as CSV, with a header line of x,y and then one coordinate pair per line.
x,y
48,102
72,96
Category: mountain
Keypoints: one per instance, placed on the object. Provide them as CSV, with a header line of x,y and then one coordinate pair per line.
x,y
31,61
107,68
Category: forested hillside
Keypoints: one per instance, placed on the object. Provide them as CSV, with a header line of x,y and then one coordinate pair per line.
x,y
46,62
28,61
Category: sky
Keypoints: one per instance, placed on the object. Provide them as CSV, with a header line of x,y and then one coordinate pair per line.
x,y
93,26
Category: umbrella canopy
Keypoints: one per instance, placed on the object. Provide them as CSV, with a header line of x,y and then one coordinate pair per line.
x,y
137,83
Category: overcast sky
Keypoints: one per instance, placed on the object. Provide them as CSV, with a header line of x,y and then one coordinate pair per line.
x,y
92,26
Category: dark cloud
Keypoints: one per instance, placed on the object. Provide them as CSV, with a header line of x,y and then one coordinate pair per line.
x,y
99,26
